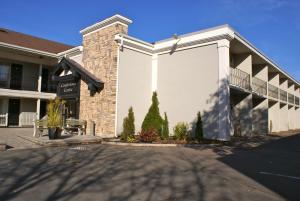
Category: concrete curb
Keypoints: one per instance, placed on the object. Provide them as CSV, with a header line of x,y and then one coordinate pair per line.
x,y
61,142
156,145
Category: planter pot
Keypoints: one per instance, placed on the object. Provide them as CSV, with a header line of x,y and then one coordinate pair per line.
x,y
53,133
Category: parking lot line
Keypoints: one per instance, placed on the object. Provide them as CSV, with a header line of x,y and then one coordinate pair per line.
x,y
280,175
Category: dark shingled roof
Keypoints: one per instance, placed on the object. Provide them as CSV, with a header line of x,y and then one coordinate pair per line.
x,y
28,41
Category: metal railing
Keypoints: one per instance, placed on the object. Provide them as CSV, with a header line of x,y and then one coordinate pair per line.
x,y
259,86
239,78
291,98
27,118
273,91
4,119
283,95
297,101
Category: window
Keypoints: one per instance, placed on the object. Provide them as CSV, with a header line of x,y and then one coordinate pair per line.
x,y
4,75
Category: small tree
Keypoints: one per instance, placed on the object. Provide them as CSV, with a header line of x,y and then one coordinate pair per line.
x,y
153,119
181,131
128,125
165,128
199,128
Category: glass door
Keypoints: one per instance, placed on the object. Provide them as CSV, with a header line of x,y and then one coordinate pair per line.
x,y
71,108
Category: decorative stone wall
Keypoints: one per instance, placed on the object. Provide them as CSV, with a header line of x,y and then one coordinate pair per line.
x,y
100,53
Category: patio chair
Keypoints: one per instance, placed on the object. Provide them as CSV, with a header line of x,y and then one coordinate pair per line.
x,y
39,126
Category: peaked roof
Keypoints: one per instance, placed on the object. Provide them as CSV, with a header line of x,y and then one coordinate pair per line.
x,y
84,74
32,42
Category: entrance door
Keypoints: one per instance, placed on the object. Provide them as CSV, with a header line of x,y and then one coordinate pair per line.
x,y
13,112
71,108
16,76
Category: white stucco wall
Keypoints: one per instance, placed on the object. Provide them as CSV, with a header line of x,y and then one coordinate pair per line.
x,y
188,83
274,108
274,116
77,58
134,86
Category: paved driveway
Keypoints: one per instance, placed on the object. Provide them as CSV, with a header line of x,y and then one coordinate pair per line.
x,y
10,137
104,172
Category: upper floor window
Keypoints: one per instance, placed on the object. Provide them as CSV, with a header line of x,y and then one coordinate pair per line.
x,y
4,75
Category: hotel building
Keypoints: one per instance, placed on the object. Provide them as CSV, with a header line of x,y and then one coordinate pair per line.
x,y
237,89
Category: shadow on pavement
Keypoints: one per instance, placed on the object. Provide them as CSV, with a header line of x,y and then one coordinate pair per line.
x,y
103,172
275,164
97,173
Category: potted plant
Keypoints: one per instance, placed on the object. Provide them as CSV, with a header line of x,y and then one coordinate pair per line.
x,y
54,122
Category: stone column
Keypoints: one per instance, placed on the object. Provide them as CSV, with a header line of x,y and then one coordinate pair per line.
x,y
100,56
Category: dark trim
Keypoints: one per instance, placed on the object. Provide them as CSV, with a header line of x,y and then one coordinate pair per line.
x,y
78,72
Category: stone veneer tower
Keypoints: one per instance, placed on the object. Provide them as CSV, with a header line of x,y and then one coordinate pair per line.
x,y
100,57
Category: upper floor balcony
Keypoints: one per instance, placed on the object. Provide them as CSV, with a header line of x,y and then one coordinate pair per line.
x,y
283,95
18,77
259,86
291,98
273,91
297,101
240,79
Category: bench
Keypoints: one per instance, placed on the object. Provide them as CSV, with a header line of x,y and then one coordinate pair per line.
x,y
39,126
75,124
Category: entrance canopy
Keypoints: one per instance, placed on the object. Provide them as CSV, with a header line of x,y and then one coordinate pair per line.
x,y
68,74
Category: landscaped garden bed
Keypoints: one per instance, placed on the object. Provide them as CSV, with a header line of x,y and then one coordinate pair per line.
x,y
155,129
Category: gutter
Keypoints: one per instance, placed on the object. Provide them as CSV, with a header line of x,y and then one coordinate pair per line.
x,y
25,49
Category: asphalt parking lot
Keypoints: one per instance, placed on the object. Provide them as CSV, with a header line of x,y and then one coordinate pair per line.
x,y
104,172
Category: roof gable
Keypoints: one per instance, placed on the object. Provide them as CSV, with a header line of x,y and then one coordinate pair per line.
x,y
78,72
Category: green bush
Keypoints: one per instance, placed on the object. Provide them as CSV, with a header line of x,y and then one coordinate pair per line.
x,y
149,135
153,119
165,128
128,125
199,128
181,131
130,139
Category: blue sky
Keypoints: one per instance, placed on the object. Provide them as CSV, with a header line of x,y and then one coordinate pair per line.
x,y
271,25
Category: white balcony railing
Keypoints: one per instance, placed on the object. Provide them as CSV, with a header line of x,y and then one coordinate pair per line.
x,y
4,119
283,95
259,86
239,78
273,91
27,118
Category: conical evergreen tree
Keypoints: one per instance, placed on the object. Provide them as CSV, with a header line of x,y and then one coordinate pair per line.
x,y
199,128
153,119
128,125
165,129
